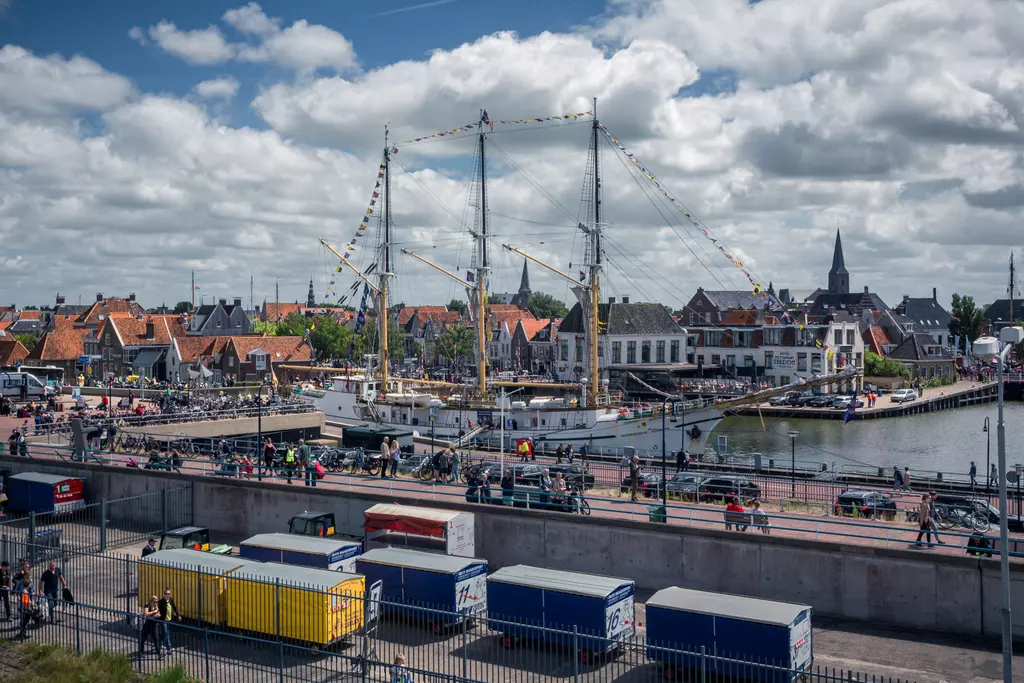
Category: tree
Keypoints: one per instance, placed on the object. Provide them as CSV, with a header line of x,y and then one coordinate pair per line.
x,y
880,366
966,320
546,306
458,305
455,343
268,327
183,307
27,340
330,340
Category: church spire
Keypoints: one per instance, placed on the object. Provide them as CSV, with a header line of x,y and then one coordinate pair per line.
x,y
838,277
311,298
524,282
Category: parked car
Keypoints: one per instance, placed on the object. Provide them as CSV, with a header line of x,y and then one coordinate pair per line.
x,y
903,395
684,485
822,401
717,488
1013,522
412,464
492,469
845,401
784,399
649,484
529,475
801,398
869,504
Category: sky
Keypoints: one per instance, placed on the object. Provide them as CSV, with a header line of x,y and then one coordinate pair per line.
x,y
140,142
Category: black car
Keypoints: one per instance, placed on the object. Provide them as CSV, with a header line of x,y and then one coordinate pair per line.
x,y
821,401
649,484
529,475
869,504
1013,522
718,488
474,471
801,399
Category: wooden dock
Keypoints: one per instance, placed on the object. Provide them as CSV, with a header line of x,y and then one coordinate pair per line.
x,y
957,395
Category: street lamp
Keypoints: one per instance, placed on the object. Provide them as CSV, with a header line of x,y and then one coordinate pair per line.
x,y
664,475
988,451
792,461
989,347
501,432
259,428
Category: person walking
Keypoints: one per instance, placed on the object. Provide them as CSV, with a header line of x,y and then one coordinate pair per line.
x,y
454,458
559,452
897,478
53,582
570,454
924,518
306,458
400,674
634,476
269,451
906,480
584,453
385,456
508,486
26,596
396,456
168,613
150,614
289,462
680,460
934,519
5,588
149,548
993,476
973,474
545,487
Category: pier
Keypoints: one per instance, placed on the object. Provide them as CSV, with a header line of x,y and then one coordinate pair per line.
x,y
959,395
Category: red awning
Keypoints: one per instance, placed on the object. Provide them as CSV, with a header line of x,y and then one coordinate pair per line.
x,y
414,520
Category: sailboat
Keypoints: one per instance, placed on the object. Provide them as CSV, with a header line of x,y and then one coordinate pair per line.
x,y
589,414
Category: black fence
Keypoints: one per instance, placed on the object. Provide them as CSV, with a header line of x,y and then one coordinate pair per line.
x,y
237,628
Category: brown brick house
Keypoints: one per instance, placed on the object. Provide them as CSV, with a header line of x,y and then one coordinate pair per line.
x,y
249,359
135,345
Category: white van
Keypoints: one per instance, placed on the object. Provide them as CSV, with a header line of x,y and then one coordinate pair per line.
x,y
22,385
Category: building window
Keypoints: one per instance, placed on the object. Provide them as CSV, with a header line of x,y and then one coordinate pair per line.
x,y
801,362
772,336
231,361
730,361
616,352
849,337
220,324
716,359
783,381
563,349
674,351
713,338
838,335
630,352
645,352
742,339
816,363
748,361
600,350
659,352
857,360
579,349
694,318
769,360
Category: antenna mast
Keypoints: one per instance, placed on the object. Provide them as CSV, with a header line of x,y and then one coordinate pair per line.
x,y
385,269
1012,284
481,272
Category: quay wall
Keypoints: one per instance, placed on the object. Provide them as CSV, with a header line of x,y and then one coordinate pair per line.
x,y
903,588
307,425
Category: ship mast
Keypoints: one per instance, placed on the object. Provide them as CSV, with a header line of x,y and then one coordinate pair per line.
x,y
385,270
1012,284
595,264
482,269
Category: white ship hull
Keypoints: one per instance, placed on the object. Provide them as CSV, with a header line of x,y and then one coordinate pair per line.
x,y
599,428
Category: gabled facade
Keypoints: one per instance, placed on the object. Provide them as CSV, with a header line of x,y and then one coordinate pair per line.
x,y
62,347
533,345
12,351
251,359
101,309
709,306
924,357
220,319
188,357
928,315
134,345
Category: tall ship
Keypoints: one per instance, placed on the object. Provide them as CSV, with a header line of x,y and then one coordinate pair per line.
x,y
549,413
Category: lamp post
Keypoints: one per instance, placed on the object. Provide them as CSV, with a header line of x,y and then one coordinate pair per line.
x,y
664,473
259,428
989,346
988,451
792,461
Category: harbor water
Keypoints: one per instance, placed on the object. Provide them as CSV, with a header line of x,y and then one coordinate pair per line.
x,y
944,441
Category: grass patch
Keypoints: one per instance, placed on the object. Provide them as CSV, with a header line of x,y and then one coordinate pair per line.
x,y
52,664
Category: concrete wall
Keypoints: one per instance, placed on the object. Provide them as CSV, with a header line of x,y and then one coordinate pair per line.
x,y
953,594
312,422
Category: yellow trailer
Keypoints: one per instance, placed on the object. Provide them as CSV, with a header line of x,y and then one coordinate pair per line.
x,y
314,606
196,580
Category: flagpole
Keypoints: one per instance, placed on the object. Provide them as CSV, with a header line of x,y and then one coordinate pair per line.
x,y
193,292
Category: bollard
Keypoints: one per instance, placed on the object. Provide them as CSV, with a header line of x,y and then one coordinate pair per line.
x,y
103,525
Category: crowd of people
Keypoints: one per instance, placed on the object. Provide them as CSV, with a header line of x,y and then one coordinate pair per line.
x,y
29,600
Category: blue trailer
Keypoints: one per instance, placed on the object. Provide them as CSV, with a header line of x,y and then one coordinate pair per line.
x,y
304,551
731,629
454,586
43,493
590,613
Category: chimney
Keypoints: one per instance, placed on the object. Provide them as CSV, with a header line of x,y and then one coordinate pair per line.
x,y
866,289
625,299
611,299
131,297
223,302
906,298
238,302
60,300
935,294
149,328
99,296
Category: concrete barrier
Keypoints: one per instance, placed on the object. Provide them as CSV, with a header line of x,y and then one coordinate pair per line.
x,y
906,589
295,422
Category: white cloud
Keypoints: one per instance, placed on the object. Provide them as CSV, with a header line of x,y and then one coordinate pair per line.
x,y
303,47
50,85
201,46
218,88
899,120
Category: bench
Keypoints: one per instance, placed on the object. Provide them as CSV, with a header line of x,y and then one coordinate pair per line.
x,y
740,519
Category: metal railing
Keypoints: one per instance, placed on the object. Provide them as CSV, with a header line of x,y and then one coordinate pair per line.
x,y
834,529
238,629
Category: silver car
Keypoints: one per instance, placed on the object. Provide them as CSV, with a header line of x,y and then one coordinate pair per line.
x,y
684,485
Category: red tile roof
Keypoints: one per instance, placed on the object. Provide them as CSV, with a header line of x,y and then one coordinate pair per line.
x,y
60,344
406,313
532,327
12,351
131,330
876,339
28,315
107,307
191,348
280,348
278,312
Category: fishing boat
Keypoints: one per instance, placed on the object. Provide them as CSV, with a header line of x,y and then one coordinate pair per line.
x,y
580,413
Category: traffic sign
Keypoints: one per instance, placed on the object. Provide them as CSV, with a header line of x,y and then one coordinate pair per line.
x,y
1012,476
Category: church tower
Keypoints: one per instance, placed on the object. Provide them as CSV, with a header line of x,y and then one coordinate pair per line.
x,y
311,298
838,277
